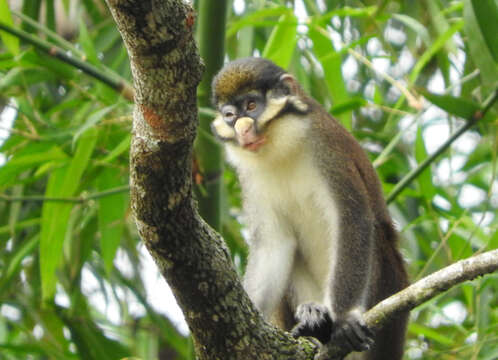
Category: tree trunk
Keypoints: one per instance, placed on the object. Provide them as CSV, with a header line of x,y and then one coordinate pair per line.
x,y
190,255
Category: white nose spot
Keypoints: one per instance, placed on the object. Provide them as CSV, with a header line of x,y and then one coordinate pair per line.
x,y
243,125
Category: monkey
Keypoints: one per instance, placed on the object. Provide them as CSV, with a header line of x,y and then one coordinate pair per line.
x,y
322,245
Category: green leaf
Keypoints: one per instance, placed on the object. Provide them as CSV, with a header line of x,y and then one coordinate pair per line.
x,y
53,228
11,42
122,147
460,107
255,19
37,60
486,14
50,14
90,340
32,155
24,77
350,12
20,225
112,209
282,41
332,68
87,44
425,178
93,119
245,42
348,106
63,182
429,333
436,46
14,266
440,24
416,26
477,43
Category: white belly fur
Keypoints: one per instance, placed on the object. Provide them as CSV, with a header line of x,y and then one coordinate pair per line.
x,y
284,188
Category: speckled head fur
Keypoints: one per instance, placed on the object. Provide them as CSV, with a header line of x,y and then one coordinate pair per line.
x,y
247,73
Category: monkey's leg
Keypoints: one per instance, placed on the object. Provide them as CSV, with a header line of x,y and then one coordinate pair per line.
x,y
268,271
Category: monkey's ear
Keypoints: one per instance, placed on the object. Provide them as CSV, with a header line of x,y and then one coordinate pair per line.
x,y
294,99
290,83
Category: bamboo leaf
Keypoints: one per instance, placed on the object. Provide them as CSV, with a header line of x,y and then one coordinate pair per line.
x,y
430,334
37,60
332,68
92,120
11,42
14,265
415,26
479,50
348,106
425,178
436,46
282,41
122,147
91,342
33,155
460,107
53,226
63,182
111,214
23,77
87,44
486,14
349,11
255,19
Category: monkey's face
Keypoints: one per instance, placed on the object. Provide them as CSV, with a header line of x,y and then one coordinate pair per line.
x,y
237,120
250,95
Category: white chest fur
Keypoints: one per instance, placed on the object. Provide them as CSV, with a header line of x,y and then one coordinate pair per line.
x,y
288,201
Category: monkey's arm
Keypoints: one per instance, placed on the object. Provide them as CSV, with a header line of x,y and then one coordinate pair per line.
x,y
347,292
269,266
353,270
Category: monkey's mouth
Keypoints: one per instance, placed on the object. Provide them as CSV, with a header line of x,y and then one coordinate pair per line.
x,y
255,145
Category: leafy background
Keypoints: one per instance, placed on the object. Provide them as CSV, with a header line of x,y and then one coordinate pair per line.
x,y
402,75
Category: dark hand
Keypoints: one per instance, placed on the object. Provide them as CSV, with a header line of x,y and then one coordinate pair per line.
x,y
313,320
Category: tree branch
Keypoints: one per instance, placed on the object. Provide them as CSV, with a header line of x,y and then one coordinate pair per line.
x,y
80,199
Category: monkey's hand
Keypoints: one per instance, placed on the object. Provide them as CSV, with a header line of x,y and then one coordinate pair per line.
x,y
353,332
313,320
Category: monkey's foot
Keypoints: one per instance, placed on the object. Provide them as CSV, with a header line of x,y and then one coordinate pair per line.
x,y
313,320
354,332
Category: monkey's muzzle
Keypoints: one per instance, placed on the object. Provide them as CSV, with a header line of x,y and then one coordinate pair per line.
x,y
246,134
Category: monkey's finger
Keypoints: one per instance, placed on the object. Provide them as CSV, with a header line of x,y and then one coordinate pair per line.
x,y
354,336
297,330
366,329
363,334
341,336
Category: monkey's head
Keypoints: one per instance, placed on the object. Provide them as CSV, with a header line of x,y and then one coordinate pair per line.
x,y
250,95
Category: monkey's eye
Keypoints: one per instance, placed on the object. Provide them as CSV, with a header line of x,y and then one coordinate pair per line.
x,y
251,105
229,114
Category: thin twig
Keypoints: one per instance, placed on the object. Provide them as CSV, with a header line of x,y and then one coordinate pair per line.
x,y
412,100
120,86
51,34
80,199
478,115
